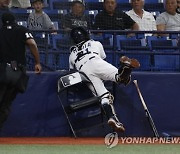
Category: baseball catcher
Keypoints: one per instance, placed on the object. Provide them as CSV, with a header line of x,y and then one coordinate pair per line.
x,y
88,56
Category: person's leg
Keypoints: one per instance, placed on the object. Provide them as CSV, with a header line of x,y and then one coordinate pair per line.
x,y
107,71
98,88
3,88
8,97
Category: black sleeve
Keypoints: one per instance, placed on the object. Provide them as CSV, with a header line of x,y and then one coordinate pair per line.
x,y
128,20
26,34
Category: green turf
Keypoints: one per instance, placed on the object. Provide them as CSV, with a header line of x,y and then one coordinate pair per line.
x,y
89,149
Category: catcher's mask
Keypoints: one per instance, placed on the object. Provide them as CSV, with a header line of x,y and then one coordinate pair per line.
x,y
79,34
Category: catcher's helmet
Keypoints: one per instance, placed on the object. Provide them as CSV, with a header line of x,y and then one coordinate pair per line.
x,y
79,34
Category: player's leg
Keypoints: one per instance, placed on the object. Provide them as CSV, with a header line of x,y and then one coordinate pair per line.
x,y
124,72
9,95
107,104
107,71
98,88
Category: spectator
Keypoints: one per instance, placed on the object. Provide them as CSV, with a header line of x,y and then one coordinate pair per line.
x,y
170,19
3,8
20,3
144,19
178,7
4,3
77,17
111,18
39,20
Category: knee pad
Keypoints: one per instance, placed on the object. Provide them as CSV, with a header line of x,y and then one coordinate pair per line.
x,y
107,98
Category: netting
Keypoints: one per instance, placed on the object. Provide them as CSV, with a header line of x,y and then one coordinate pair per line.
x,y
155,53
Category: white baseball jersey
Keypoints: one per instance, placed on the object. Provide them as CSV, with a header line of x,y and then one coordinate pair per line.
x,y
88,58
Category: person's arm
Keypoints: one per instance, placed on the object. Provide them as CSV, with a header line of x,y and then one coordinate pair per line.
x,y
29,21
161,27
161,24
34,50
135,26
48,24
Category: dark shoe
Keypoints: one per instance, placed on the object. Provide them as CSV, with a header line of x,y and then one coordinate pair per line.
x,y
132,63
116,125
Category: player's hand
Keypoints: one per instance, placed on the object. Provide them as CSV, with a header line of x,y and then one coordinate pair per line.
x,y
38,68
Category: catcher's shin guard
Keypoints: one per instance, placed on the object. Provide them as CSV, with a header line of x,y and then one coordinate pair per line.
x,y
124,72
112,118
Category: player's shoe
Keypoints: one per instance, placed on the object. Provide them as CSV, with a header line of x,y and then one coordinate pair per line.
x,y
116,125
124,72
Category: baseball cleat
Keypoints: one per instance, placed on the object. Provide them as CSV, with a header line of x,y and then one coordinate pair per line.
x,y
116,125
133,63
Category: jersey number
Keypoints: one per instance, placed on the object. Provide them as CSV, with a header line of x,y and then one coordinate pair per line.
x,y
28,35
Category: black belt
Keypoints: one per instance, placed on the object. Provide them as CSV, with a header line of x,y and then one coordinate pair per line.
x,y
20,66
86,61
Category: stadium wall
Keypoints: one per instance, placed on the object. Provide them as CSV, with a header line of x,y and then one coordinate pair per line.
x,y
38,111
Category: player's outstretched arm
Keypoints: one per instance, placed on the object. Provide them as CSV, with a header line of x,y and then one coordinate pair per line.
x,y
34,50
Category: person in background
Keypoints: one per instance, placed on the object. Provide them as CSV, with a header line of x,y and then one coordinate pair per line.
x,y
20,3
178,7
3,8
39,20
112,19
170,19
4,3
77,17
13,77
144,19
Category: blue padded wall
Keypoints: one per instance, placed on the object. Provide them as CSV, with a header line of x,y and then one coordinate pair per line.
x,y
39,113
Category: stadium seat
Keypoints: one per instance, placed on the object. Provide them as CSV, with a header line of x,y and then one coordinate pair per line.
x,y
154,5
94,5
124,5
22,23
133,48
165,58
21,14
82,107
125,43
62,60
42,40
107,42
59,4
123,1
91,14
61,42
56,25
105,39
